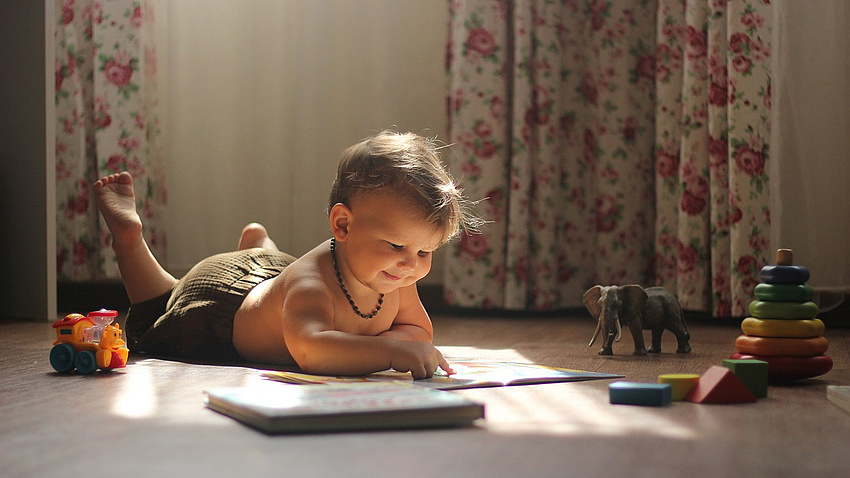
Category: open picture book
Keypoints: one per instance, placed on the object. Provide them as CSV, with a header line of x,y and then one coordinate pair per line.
x,y
470,374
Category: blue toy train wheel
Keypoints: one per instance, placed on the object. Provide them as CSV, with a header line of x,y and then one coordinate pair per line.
x,y
85,362
62,357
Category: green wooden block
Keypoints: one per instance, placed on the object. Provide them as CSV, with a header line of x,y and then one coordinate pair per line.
x,y
752,372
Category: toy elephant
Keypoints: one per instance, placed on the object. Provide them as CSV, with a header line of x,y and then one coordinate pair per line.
x,y
640,309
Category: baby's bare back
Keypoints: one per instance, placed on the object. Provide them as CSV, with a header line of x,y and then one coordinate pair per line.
x,y
308,285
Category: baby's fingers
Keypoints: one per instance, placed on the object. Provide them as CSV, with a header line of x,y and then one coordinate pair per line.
x,y
420,372
444,364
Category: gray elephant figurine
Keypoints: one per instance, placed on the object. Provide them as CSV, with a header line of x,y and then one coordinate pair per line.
x,y
640,309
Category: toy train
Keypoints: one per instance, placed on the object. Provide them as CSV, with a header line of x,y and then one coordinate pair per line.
x,y
88,342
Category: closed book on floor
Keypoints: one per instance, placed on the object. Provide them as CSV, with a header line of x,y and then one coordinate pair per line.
x,y
282,408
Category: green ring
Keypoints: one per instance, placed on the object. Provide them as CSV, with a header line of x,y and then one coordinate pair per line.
x,y
783,310
784,292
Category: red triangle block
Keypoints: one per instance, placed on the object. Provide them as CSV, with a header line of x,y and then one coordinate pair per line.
x,y
720,385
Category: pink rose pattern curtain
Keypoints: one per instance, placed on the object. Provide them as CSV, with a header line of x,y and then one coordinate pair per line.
x,y
712,130
107,121
615,142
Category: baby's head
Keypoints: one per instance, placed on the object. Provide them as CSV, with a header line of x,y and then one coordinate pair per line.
x,y
407,165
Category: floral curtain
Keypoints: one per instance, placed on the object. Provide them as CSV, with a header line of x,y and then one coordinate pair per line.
x,y
586,126
712,133
107,121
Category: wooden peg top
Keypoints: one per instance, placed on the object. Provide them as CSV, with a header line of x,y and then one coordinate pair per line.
x,y
784,257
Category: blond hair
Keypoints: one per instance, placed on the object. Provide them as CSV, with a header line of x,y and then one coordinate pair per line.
x,y
410,165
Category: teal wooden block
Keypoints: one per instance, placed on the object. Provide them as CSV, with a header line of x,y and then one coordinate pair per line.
x,y
754,374
634,393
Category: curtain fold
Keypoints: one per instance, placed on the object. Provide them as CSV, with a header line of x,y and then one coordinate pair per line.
x,y
614,142
551,116
107,113
712,130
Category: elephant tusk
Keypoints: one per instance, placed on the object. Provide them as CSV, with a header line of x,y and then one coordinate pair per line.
x,y
619,331
595,333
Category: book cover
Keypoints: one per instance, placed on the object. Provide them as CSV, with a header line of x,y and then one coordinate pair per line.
x,y
277,408
839,395
470,374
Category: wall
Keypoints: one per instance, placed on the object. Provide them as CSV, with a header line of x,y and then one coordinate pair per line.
x,y
261,96
810,140
27,161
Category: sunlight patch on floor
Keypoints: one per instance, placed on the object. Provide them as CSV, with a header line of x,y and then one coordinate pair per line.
x,y
457,352
136,396
563,409
575,409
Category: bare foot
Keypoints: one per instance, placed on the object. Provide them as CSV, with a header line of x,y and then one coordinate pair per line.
x,y
256,235
116,201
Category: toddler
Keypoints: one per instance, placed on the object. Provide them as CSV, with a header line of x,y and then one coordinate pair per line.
x,y
348,307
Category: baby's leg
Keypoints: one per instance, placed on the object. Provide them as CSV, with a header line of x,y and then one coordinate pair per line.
x,y
143,276
256,235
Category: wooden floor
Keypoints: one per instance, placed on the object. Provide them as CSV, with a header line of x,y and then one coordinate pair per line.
x,y
149,419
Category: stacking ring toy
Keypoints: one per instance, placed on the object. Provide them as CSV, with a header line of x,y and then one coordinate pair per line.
x,y
784,274
770,346
791,368
782,328
784,292
783,310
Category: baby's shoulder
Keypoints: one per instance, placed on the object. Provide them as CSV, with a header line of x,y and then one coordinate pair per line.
x,y
302,290
306,274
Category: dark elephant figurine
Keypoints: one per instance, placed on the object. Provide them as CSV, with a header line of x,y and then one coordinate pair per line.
x,y
640,309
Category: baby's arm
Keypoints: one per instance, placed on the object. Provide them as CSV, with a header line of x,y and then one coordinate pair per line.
x,y
412,321
308,328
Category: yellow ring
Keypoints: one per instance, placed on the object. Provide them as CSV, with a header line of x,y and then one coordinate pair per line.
x,y
782,327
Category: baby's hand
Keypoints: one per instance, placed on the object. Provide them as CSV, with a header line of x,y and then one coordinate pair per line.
x,y
447,368
421,359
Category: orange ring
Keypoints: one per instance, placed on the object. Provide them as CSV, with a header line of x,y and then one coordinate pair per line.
x,y
747,344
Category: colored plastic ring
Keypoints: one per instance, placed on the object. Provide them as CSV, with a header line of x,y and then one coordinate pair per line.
x,y
784,274
771,346
782,328
784,292
781,368
783,310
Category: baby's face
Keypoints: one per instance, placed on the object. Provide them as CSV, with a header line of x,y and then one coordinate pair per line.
x,y
390,243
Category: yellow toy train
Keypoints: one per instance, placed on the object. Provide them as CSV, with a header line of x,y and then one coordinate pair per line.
x,y
88,342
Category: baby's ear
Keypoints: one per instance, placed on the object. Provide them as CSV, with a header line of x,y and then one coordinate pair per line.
x,y
340,218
